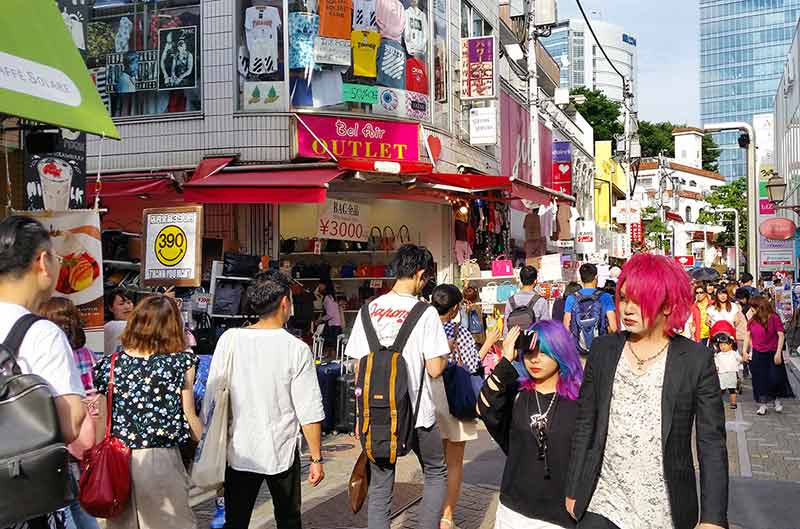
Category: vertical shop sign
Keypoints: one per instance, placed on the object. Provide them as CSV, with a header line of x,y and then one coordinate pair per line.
x,y
343,220
177,49
483,126
637,233
545,173
516,147
173,238
585,237
478,71
562,167
56,180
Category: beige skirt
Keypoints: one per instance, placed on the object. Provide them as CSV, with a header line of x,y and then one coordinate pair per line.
x,y
159,492
451,428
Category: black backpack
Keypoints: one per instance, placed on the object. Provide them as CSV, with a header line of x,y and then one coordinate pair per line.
x,y
385,415
522,316
33,457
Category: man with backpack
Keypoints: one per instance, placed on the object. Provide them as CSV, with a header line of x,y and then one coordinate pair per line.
x,y
402,349
41,408
590,311
526,307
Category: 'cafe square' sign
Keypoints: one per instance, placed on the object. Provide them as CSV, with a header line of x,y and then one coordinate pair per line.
x,y
357,138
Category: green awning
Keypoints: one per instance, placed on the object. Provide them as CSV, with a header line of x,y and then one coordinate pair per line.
x,y
42,75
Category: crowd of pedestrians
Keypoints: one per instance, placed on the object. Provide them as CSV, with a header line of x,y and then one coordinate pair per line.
x,y
573,403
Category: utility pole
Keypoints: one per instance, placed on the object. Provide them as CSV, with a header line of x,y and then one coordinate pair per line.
x,y
533,96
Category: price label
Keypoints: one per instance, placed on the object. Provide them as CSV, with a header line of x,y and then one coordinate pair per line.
x,y
376,283
343,220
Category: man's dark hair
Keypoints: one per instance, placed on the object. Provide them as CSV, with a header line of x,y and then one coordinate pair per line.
x,y
21,240
266,292
528,275
572,287
445,297
745,278
588,272
742,293
411,259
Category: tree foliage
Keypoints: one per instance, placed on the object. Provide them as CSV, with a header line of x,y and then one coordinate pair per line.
x,y
732,195
656,138
602,113
655,231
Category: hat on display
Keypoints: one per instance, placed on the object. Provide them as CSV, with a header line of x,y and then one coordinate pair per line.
x,y
722,329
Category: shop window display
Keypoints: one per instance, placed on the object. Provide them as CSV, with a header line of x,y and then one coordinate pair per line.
x,y
145,56
362,56
441,110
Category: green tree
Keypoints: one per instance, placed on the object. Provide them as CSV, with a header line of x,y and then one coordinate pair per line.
x,y
732,195
657,138
655,231
602,113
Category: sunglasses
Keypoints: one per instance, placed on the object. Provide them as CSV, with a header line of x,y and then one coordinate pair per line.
x,y
696,292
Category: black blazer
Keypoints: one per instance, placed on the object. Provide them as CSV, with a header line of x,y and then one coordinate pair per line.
x,y
691,394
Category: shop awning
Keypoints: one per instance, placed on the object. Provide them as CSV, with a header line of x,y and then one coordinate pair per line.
x,y
671,215
290,186
538,194
385,166
42,75
130,186
467,182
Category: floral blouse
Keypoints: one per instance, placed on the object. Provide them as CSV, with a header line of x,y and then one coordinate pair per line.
x,y
148,409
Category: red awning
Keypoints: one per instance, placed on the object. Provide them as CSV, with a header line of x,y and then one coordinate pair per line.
x,y
538,194
467,182
384,166
211,166
671,215
257,187
132,186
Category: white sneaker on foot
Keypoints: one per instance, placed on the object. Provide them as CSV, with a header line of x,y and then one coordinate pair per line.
x,y
778,406
762,410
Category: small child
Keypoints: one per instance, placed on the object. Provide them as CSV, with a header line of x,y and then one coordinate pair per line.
x,y
727,358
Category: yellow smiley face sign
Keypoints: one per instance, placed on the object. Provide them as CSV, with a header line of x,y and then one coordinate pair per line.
x,y
171,243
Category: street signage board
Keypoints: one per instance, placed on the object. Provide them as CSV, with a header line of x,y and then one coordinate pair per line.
x,y
173,241
343,220
685,260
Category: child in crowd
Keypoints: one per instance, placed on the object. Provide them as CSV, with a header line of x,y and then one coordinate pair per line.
x,y
727,358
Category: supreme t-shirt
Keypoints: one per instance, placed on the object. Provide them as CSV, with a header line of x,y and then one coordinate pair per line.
x,y
416,76
416,31
365,46
392,60
335,17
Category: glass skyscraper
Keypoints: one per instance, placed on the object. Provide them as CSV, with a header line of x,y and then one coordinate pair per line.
x,y
743,46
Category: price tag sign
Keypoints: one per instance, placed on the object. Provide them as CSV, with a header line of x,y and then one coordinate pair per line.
x,y
172,238
376,283
343,220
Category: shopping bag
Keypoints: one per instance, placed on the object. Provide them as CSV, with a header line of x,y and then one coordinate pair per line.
x,y
208,471
505,291
489,293
502,266
470,269
462,390
358,486
105,484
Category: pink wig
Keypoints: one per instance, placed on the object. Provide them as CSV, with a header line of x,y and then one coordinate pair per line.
x,y
657,284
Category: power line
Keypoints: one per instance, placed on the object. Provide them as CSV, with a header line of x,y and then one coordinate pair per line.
x,y
597,41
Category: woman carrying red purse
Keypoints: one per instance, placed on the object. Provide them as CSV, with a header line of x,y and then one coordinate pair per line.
x,y
153,413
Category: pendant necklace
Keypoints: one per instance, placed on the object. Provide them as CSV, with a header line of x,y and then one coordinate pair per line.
x,y
538,425
640,362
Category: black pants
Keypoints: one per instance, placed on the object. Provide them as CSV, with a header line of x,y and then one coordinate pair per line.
x,y
591,520
241,491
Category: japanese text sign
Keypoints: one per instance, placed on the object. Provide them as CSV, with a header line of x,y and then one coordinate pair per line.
x,y
173,238
478,71
343,220
356,138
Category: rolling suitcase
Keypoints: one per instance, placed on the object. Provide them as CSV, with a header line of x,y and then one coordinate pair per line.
x,y
327,376
345,413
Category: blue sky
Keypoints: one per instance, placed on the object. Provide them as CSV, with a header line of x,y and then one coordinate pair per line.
x,y
667,38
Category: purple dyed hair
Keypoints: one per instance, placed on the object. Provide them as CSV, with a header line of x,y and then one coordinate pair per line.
x,y
557,343
657,284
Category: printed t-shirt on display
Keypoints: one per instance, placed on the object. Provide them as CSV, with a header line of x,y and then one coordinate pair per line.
x,y
365,46
391,18
262,25
416,76
392,61
364,14
335,18
326,88
302,31
300,92
416,31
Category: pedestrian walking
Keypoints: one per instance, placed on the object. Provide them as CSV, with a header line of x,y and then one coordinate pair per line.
x,y
29,269
64,313
727,359
560,302
699,325
446,299
426,349
642,393
722,308
742,296
746,282
532,418
119,306
590,312
527,298
153,413
274,395
764,347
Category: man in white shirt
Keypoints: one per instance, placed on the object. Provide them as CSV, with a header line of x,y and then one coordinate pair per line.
x,y
28,272
274,394
427,348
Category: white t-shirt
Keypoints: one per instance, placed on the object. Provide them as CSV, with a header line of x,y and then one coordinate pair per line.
x,y
364,15
45,351
426,341
261,26
416,31
715,315
273,391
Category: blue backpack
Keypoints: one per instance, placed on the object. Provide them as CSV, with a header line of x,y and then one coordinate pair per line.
x,y
588,320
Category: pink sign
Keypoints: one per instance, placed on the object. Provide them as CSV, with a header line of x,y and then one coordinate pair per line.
x,y
357,138
765,207
516,147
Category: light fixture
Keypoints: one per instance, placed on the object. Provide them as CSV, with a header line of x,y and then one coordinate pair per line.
x,y
514,52
463,209
776,189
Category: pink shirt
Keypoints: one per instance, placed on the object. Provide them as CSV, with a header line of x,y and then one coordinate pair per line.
x,y
765,340
391,18
332,315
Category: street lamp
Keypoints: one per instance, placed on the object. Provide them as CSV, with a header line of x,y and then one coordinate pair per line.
x,y
776,189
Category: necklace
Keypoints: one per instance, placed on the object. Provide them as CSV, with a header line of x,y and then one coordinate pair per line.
x,y
539,420
539,429
640,362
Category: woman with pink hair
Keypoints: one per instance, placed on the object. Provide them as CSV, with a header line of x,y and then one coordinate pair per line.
x,y
643,389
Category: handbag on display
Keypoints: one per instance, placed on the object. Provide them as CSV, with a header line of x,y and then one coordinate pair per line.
x,y
358,485
494,319
505,291
388,239
347,271
105,484
489,293
403,239
470,269
227,298
208,471
240,265
333,245
287,245
502,266
303,245
375,241
363,270
378,270
204,335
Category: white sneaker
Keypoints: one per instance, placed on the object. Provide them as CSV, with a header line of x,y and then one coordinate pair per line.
x,y
778,406
762,410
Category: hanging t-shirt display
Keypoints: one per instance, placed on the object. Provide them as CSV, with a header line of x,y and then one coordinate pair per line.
x,y
326,87
334,18
416,76
303,29
365,52
300,91
391,18
392,61
262,27
364,14
416,31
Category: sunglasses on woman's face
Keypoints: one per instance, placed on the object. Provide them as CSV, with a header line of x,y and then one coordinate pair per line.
x,y
698,292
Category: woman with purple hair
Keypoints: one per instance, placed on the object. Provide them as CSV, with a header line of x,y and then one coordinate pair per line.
x,y
532,418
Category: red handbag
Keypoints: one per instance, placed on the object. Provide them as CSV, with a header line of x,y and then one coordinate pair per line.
x,y
105,485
